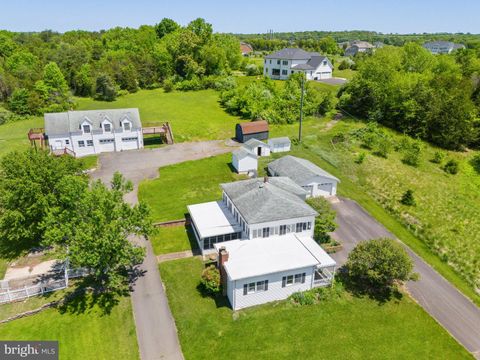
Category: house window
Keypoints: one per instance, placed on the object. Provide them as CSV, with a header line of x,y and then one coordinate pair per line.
x,y
107,127
89,142
270,61
284,72
67,142
275,72
266,232
285,62
325,62
283,229
254,235
293,279
253,287
126,126
298,227
278,62
86,129
81,143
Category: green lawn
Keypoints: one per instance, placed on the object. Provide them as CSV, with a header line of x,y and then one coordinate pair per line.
x,y
194,115
173,239
343,328
85,335
347,73
186,183
13,136
443,228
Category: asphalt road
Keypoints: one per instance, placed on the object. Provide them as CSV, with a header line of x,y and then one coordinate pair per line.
x,y
456,313
155,326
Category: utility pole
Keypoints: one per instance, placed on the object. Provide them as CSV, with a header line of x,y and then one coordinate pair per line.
x,y
301,110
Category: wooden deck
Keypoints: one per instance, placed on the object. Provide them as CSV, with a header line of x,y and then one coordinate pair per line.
x,y
165,132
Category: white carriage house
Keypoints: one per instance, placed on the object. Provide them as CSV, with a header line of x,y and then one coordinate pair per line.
x,y
94,131
315,180
266,228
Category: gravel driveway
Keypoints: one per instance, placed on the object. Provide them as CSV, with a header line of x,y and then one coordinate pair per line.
x,y
456,313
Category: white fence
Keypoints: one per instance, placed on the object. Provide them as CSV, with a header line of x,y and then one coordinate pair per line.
x,y
8,295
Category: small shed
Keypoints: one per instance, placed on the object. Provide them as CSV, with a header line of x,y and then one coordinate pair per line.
x,y
251,130
257,147
243,160
280,144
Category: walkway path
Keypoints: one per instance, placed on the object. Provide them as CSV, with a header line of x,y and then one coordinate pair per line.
x,y
456,313
156,331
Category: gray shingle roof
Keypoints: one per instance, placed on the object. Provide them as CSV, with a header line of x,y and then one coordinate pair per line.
x,y
254,143
259,201
313,63
279,140
67,122
298,169
243,153
292,54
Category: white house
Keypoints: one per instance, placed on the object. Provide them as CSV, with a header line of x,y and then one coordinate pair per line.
x,y
94,131
250,209
258,271
316,181
262,230
283,63
257,147
244,160
280,144
442,47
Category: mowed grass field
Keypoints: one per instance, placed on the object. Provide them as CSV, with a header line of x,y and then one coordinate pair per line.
x,y
13,136
173,239
194,115
347,327
190,182
89,334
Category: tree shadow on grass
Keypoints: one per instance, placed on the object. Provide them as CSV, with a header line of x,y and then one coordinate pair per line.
x,y
220,300
90,294
359,288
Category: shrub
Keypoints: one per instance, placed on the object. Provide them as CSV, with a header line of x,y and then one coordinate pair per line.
x,y
475,162
211,279
225,83
383,146
379,264
189,85
411,153
451,167
325,222
344,65
360,158
168,85
438,157
303,298
251,70
407,198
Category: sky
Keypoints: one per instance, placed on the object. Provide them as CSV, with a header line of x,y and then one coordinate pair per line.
x,y
246,16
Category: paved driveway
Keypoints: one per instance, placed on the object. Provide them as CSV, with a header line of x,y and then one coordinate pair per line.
x,y
438,297
155,326
333,81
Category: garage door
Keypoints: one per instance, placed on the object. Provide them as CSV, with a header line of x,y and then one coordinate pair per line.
x,y
325,189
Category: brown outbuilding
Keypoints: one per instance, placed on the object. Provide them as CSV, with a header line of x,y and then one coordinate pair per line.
x,y
251,130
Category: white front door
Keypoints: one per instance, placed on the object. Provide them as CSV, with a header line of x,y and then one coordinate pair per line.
x,y
58,144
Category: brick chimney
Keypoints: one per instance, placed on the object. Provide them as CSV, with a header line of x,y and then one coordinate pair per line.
x,y
222,259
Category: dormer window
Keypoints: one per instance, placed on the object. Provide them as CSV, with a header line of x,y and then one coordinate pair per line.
x,y
86,129
126,126
107,127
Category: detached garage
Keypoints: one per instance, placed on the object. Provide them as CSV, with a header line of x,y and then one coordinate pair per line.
x,y
251,130
280,144
309,176
244,161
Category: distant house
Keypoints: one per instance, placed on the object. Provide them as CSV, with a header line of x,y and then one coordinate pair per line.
x,y
94,131
442,47
244,160
251,130
281,64
358,46
246,49
316,181
280,144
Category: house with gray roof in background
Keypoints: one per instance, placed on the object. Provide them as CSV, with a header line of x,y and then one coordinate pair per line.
x,y
281,64
442,47
94,131
358,46
262,231
315,180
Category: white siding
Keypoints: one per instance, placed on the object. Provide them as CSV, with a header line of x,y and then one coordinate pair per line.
x,y
275,290
320,186
245,164
280,147
276,224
